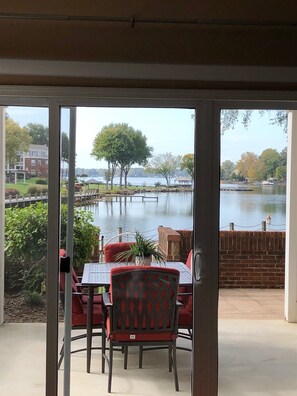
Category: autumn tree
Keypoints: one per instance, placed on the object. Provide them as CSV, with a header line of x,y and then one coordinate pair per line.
x,y
17,139
187,164
249,167
165,165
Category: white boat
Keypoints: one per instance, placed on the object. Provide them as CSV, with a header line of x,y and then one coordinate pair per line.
x,y
267,183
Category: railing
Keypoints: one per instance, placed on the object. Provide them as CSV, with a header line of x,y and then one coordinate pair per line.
x,y
28,199
263,226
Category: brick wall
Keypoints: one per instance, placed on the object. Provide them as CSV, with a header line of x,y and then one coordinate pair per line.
x,y
248,259
252,259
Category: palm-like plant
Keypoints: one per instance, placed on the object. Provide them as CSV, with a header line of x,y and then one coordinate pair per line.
x,y
143,247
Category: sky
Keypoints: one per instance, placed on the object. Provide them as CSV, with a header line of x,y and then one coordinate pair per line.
x,y
167,130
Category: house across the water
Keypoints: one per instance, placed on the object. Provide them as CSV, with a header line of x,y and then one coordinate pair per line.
x,y
183,181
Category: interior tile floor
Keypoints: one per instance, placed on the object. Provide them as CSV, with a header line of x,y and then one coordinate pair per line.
x,y
257,356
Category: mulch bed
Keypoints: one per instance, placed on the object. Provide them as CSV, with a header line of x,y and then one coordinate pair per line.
x,y
17,310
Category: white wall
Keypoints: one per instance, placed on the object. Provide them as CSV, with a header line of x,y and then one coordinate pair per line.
x,y
291,221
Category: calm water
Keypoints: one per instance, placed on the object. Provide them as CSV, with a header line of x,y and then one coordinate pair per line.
x,y
246,209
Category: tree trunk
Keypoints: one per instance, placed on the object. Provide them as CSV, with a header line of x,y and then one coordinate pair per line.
x,y
126,172
113,171
107,175
121,178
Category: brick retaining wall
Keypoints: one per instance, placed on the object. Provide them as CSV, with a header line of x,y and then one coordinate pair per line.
x,y
248,259
253,259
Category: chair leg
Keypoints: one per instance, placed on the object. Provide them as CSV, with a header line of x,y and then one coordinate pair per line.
x,y
170,357
61,356
125,357
103,351
175,366
110,365
140,356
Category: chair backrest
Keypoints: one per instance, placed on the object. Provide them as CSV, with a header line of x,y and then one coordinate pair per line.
x,y
112,249
144,299
189,260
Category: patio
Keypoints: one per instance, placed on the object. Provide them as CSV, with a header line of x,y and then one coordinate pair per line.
x,y
257,356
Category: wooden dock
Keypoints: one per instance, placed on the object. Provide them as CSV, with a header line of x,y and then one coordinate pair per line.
x,y
236,189
81,198
119,197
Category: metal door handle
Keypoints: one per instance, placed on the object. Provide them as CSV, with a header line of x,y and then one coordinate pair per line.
x,y
198,266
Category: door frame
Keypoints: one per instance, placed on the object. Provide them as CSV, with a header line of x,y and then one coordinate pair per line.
x,y
209,103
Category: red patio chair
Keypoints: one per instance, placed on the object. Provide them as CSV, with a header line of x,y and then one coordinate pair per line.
x,y
111,250
79,311
185,296
141,309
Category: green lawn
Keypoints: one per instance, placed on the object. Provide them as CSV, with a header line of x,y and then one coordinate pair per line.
x,y
22,187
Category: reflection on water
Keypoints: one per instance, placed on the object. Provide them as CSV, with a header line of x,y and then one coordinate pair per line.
x,y
246,209
171,210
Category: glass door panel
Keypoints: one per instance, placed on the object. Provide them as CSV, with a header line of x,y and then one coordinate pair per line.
x,y
168,131
146,202
67,135
23,333
252,253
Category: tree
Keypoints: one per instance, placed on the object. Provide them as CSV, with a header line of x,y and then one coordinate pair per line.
x,y
187,163
139,152
227,169
65,152
164,165
249,167
105,147
38,133
229,118
270,158
281,173
120,145
17,139
281,170
283,157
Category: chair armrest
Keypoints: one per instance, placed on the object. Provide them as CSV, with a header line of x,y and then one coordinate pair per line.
x,y
106,300
77,294
185,294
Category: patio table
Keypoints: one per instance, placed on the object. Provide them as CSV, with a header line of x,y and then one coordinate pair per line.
x,y
98,274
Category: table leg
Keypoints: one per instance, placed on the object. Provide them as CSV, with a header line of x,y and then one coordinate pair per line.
x,y
89,326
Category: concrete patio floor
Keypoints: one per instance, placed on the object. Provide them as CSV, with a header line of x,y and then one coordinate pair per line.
x,y
257,356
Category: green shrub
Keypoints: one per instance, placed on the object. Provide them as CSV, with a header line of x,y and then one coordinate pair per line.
x,y
34,299
41,181
26,244
37,190
11,192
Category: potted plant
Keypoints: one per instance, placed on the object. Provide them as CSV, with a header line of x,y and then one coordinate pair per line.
x,y
143,249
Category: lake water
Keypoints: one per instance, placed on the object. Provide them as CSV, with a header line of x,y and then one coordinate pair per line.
x,y
246,209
